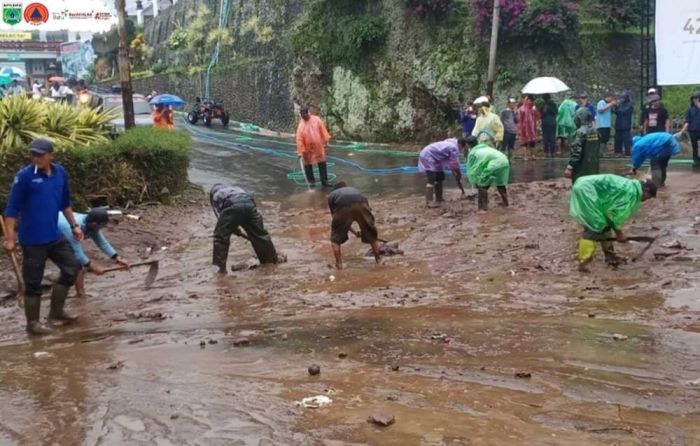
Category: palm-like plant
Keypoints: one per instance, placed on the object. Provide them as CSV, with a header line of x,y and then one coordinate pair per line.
x,y
21,120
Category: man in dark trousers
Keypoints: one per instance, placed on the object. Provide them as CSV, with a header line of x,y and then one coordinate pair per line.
x,y
39,192
235,209
347,206
585,158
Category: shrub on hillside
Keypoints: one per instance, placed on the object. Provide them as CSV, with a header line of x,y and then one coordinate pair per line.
x,y
620,14
423,8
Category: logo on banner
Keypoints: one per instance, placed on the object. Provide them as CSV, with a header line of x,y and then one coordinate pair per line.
x,y
36,14
103,15
12,13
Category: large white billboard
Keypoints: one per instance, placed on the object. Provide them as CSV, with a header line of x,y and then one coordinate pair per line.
x,y
678,42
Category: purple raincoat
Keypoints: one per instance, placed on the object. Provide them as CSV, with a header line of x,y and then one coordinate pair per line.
x,y
439,156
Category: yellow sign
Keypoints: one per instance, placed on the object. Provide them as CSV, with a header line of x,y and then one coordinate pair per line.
x,y
15,36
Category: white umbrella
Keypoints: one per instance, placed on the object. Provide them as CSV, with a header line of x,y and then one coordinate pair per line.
x,y
544,85
12,72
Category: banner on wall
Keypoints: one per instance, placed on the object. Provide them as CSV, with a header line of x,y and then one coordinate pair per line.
x,y
77,58
54,15
677,30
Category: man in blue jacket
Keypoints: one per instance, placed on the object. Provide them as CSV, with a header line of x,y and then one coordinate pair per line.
x,y
91,224
659,148
39,192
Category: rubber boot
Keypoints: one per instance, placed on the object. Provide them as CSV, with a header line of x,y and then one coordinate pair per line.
x,y
483,199
220,256
309,172
57,315
429,194
323,172
32,310
438,192
504,195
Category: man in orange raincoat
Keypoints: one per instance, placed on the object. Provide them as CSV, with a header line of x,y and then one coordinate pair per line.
x,y
162,117
312,138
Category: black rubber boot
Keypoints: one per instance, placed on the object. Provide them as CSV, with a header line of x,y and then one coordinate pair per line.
x,y
32,310
309,172
323,172
57,315
438,192
483,198
220,256
504,195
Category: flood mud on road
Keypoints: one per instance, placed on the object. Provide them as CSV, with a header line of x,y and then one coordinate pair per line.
x,y
481,333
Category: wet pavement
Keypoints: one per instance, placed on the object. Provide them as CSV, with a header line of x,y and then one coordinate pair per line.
x,y
482,333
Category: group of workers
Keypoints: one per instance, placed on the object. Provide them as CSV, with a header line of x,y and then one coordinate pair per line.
x,y
600,203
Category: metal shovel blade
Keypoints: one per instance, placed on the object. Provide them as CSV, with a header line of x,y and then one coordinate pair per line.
x,y
152,274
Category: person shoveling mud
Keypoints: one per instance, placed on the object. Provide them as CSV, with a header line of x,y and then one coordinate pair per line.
x,y
433,160
601,203
487,167
348,205
91,225
235,209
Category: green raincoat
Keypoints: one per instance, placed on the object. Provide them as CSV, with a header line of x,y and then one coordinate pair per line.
x,y
604,202
487,166
565,119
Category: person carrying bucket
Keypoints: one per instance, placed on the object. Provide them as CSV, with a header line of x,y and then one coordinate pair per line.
x,y
312,139
603,203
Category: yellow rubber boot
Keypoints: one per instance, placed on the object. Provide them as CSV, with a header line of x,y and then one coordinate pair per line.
x,y
586,250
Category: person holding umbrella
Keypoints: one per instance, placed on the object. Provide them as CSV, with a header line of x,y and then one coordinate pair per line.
x,y
162,113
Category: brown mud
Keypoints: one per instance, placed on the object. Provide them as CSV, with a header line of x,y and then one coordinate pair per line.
x,y
483,333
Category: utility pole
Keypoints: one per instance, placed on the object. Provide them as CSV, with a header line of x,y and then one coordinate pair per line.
x,y
494,46
125,67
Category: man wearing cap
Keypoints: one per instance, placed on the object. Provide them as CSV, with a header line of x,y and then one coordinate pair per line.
x,y
235,209
583,103
312,140
655,118
584,158
39,192
91,224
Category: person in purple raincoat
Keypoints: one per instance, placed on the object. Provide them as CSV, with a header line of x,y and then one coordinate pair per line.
x,y
434,159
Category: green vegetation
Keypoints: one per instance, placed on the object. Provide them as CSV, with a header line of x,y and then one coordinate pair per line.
x,y
23,119
341,32
194,40
677,99
142,165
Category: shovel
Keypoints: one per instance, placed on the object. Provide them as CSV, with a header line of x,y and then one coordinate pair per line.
x,y
642,238
15,264
152,271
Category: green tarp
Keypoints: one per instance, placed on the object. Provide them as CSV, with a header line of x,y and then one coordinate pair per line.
x,y
601,202
487,166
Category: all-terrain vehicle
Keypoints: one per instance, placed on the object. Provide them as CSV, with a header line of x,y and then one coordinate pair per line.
x,y
206,110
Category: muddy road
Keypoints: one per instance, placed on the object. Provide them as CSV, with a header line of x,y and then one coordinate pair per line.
x,y
483,333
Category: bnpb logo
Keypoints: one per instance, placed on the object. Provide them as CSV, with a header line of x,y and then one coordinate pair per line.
x,y
36,14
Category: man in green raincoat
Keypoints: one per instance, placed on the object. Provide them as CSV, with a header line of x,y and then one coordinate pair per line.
x,y
565,123
487,167
585,155
601,203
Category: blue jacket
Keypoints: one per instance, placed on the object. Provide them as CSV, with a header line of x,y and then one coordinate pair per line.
x,y
468,121
37,199
692,117
653,145
95,236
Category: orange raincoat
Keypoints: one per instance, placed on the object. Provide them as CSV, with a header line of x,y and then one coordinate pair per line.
x,y
312,137
162,119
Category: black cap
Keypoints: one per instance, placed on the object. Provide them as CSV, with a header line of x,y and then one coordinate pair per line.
x,y
583,94
41,146
304,111
97,215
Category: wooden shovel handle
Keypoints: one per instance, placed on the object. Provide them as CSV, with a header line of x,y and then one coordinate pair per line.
x,y
13,258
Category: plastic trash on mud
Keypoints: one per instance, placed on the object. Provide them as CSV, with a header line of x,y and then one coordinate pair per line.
x,y
315,402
